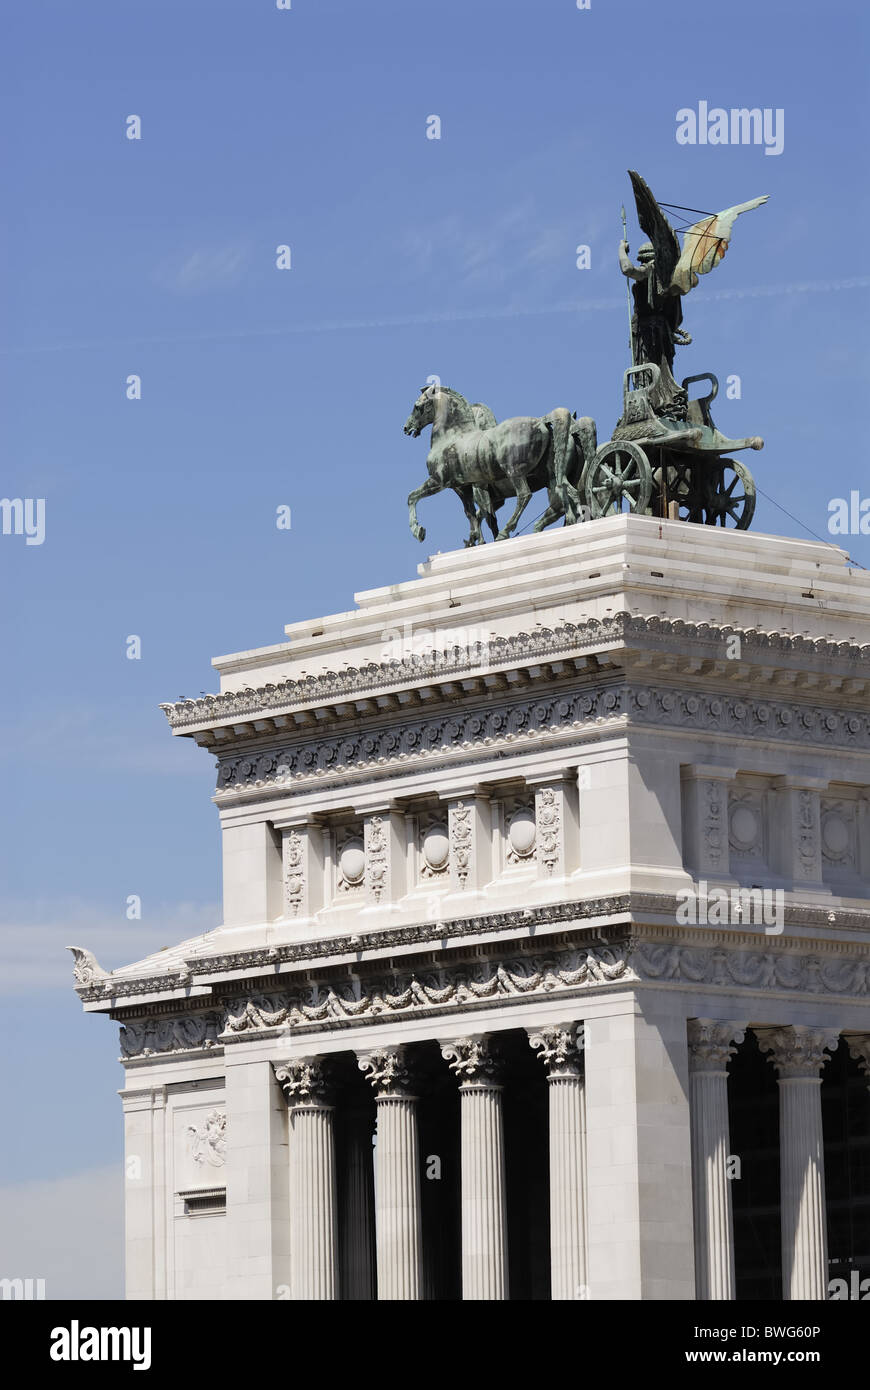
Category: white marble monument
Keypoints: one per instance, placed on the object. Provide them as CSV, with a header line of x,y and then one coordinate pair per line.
x,y
543,867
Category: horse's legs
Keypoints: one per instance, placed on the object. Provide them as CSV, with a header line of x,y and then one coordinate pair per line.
x,y
427,489
524,497
483,499
465,495
553,512
560,422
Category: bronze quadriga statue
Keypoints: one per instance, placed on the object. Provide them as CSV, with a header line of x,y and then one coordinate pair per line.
x,y
666,457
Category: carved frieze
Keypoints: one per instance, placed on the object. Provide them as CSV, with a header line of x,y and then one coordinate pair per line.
x,y
523,973
152,1036
545,719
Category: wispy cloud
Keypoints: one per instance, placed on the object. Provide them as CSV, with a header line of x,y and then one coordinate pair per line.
x,y
435,316
206,268
34,940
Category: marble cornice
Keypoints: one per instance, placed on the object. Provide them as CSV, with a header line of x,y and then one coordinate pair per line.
x,y
528,973
686,647
498,729
622,912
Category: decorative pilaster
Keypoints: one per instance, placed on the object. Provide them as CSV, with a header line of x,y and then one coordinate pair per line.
x,y
557,839
385,872
560,1048
797,830
302,858
470,832
313,1226
484,1217
710,1045
397,1176
705,819
798,1053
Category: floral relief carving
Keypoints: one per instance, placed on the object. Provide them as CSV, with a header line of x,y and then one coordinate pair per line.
x,y
713,823
376,862
461,840
549,831
807,834
294,873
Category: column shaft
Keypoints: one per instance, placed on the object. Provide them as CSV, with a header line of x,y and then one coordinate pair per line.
x,y
711,1043
484,1226
798,1053
314,1263
397,1199
802,1183
568,1273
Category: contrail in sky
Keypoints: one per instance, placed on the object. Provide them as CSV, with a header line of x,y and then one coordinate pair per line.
x,y
860,282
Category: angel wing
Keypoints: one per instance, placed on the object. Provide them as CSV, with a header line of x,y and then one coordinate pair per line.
x,y
658,229
705,244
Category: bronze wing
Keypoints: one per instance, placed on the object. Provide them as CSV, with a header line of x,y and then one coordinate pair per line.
x,y
659,231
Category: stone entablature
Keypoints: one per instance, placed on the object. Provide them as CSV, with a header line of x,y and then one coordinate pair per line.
x,y
638,641
496,974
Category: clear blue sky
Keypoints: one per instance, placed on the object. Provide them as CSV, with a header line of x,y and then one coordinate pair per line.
x,y
260,388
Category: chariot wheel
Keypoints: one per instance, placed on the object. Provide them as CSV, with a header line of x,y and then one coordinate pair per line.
x,y
684,489
728,493
617,479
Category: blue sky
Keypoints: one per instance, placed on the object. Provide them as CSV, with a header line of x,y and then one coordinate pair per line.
x,y
260,387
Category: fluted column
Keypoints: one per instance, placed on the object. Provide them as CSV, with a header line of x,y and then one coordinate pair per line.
x,y
798,1053
356,1201
711,1043
398,1236
560,1048
484,1215
313,1227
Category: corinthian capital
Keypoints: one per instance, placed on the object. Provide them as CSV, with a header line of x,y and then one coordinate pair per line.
x,y
304,1080
797,1052
387,1070
471,1059
711,1043
560,1048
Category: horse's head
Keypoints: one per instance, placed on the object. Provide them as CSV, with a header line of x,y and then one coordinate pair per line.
x,y
425,408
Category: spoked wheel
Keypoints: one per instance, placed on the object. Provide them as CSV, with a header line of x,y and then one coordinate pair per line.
x,y
684,489
728,492
618,479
